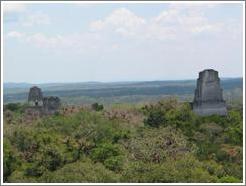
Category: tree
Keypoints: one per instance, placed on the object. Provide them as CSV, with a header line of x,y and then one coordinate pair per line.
x,y
97,107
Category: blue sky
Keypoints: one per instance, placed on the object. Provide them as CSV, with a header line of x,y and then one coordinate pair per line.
x,y
120,42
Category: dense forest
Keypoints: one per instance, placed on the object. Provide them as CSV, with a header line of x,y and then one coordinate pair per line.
x,y
161,141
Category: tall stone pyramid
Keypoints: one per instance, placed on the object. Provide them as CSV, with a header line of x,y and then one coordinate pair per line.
x,y
208,98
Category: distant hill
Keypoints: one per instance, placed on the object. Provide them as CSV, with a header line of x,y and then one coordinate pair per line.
x,y
17,92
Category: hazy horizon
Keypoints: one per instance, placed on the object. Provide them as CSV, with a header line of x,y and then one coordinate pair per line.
x,y
115,81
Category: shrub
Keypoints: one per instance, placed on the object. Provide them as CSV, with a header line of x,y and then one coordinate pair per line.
x,y
155,145
52,158
35,170
83,171
120,135
114,163
229,179
10,161
234,135
23,139
169,112
105,151
187,169
155,118
12,106
97,107
15,107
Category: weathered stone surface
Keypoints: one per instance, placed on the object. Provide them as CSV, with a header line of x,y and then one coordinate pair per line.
x,y
208,98
41,105
35,95
51,104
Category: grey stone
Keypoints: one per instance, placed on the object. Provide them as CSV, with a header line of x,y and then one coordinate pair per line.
x,y
208,98
35,95
40,104
51,104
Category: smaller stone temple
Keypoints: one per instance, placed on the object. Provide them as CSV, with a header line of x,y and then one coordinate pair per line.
x,y
208,98
35,96
51,104
43,105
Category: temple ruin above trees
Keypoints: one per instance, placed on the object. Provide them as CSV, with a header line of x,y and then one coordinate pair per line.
x,y
208,98
46,105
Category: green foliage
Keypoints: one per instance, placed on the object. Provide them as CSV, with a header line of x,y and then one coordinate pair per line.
x,y
155,118
105,151
186,169
97,107
229,179
10,160
155,145
170,112
82,171
114,163
122,134
23,139
53,158
109,155
15,107
214,168
12,106
162,142
156,114
234,130
35,170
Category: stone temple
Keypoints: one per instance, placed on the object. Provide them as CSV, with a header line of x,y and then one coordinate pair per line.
x,y
35,96
44,105
51,104
208,98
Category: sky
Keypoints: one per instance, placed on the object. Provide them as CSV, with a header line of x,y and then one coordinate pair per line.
x,y
109,42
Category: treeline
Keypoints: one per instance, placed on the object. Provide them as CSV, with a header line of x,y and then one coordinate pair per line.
x,y
109,90
159,142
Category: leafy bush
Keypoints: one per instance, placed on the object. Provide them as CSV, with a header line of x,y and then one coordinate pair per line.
x,y
23,140
10,161
155,145
185,170
15,107
52,158
155,118
114,163
120,135
229,179
12,106
97,107
83,171
170,112
105,151
156,113
35,170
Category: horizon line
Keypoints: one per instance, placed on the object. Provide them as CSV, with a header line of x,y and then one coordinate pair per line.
x,y
120,81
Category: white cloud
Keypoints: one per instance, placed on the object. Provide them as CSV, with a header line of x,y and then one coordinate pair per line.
x,y
97,25
175,22
121,20
13,7
78,43
15,34
25,18
33,19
